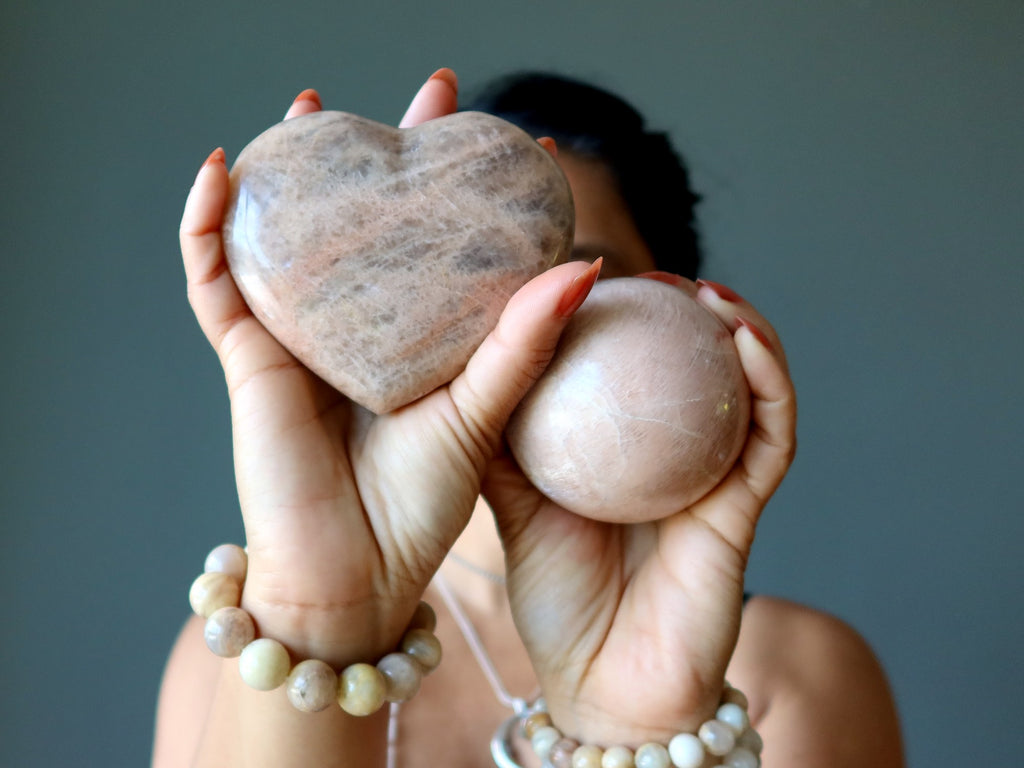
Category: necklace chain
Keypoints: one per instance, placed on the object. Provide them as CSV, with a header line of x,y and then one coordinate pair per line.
x,y
518,705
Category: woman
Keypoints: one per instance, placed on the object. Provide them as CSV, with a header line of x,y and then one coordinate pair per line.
x,y
629,631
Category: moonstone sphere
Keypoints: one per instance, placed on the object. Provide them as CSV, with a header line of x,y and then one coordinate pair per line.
x,y
642,411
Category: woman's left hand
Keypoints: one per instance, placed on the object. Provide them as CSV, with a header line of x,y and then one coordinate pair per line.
x,y
630,628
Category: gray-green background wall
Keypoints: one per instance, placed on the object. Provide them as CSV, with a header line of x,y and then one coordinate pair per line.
x,y
862,165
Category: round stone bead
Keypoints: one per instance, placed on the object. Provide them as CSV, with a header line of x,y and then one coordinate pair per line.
x,y
561,753
212,591
587,756
402,675
424,647
361,689
734,716
735,696
717,737
423,618
741,757
751,739
686,751
617,757
534,721
264,664
543,740
228,558
651,755
312,686
228,631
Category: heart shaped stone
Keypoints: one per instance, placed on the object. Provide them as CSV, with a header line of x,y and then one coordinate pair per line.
x,y
382,257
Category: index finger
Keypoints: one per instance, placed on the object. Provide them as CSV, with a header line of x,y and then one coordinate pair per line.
x,y
436,97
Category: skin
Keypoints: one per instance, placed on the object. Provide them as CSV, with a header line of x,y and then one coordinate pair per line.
x,y
629,630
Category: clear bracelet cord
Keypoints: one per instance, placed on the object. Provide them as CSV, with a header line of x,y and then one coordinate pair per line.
x,y
312,685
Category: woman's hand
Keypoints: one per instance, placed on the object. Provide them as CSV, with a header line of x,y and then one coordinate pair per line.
x,y
348,515
631,627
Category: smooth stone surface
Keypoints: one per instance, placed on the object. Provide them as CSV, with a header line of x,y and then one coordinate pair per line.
x,y
312,686
362,689
212,591
264,664
381,257
643,409
228,631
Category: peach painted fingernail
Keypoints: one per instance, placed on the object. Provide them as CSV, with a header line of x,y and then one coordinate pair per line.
x,y
549,144
217,156
447,76
578,290
757,332
663,277
310,94
723,292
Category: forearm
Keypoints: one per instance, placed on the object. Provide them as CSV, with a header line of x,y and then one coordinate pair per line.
x,y
254,728
208,717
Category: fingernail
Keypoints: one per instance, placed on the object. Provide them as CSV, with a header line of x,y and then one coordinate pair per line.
x,y
723,292
447,76
549,144
663,277
217,156
578,290
757,332
310,94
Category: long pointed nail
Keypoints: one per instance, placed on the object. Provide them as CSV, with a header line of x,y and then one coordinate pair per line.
x,y
310,94
217,156
755,331
549,144
447,76
578,290
723,292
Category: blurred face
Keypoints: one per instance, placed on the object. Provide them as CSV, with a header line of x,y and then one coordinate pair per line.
x,y
604,226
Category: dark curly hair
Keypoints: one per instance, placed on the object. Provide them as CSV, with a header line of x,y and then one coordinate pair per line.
x,y
595,124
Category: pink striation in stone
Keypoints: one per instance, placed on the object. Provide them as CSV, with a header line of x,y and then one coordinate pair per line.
x,y
381,257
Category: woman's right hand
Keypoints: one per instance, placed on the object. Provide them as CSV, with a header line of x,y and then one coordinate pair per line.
x,y
348,515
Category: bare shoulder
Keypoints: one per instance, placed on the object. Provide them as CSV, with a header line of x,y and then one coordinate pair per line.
x,y
186,692
818,694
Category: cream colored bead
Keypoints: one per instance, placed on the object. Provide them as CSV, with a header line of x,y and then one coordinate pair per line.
x,y
312,686
617,757
264,664
587,756
424,647
228,631
561,752
734,716
651,755
212,591
717,737
403,676
361,690
423,618
227,558
535,721
741,757
543,740
686,751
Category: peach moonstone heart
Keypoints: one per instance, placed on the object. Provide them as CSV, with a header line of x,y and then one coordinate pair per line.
x,y
382,257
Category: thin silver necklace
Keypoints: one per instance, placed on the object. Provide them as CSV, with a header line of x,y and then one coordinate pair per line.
x,y
501,741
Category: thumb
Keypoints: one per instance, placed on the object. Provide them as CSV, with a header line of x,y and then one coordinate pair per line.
x,y
514,355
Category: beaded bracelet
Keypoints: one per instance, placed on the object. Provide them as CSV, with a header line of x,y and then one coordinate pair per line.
x,y
312,685
728,737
